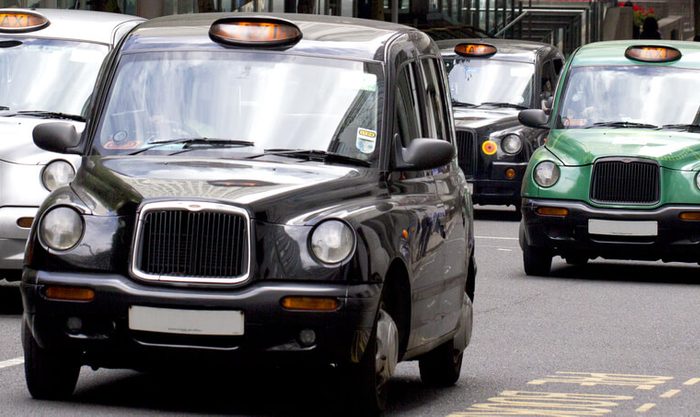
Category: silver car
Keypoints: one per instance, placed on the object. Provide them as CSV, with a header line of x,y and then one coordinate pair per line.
x,y
49,61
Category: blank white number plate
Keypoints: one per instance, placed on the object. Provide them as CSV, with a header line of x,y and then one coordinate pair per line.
x,y
623,228
197,322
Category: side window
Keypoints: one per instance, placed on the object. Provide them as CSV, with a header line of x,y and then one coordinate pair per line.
x,y
558,66
436,118
406,114
548,80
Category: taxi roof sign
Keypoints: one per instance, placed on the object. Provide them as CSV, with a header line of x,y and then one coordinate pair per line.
x,y
265,32
18,21
651,53
476,50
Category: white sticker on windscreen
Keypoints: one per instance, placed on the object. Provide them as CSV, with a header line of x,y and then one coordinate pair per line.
x,y
366,140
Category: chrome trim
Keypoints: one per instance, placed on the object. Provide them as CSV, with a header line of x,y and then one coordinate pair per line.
x,y
193,206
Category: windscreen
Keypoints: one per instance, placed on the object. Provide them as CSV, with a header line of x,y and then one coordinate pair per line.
x,y
48,75
645,94
478,81
272,100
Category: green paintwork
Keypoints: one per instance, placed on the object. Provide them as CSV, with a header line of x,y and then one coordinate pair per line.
x,y
575,150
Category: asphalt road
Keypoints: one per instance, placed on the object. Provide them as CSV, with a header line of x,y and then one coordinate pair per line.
x,y
605,339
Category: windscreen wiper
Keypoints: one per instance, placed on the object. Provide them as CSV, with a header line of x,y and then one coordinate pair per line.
x,y
456,103
622,125
682,126
188,143
51,115
502,104
312,154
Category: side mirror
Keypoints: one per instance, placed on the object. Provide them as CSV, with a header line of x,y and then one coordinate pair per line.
x,y
533,118
57,137
422,154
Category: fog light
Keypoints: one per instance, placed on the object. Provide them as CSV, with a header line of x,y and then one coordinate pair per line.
x,y
310,303
690,216
74,324
307,337
69,293
25,222
510,173
552,211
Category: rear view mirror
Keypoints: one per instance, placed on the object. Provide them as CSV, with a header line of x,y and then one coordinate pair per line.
x,y
57,137
422,154
533,118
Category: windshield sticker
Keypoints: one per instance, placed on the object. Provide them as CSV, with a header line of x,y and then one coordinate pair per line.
x,y
366,140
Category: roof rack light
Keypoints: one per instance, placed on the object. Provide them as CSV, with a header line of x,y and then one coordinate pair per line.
x,y
652,53
262,32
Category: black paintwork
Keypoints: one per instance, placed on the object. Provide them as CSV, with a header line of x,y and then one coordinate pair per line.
x,y
382,205
490,186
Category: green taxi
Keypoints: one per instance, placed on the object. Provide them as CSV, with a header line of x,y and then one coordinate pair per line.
x,y
618,177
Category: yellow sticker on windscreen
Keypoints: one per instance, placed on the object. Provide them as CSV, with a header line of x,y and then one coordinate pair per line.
x,y
366,140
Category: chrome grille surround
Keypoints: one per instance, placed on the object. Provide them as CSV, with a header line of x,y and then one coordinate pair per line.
x,y
189,206
467,152
620,180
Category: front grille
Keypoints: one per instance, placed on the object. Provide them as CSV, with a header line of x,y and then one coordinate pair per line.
x,y
466,149
202,245
625,182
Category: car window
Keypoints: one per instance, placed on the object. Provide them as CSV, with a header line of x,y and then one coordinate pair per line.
x,y
436,122
406,113
558,66
547,80
476,81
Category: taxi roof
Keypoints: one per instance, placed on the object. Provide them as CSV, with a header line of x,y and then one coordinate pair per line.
x,y
322,35
613,53
75,25
507,49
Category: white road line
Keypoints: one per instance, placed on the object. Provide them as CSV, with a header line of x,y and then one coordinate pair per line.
x,y
670,393
692,381
11,362
646,407
496,237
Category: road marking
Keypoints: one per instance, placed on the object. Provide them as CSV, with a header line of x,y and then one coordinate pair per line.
x,y
692,381
670,393
11,362
496,237
592,379
505,250
646,407
549,404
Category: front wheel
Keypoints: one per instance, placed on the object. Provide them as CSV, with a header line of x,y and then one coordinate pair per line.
x,y
536,261
50,375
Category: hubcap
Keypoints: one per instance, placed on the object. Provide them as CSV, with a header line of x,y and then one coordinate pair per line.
x,y
387,347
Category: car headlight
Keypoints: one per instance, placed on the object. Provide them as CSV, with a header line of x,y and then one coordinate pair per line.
x,y
511,144
61,228
546,174
57,174
332,241
697,180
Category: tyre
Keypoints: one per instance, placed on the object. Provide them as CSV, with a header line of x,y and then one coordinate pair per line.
x,y
367,381
536,261
576,260
50,375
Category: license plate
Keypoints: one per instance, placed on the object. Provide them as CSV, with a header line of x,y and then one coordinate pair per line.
x,y
623,228
194,322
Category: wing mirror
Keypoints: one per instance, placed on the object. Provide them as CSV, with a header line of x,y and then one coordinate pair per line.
x,y
57,137
534,118
422,154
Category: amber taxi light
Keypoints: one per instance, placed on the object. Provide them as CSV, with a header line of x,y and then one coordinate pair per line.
x,y
649,53
691,216
69,293
21,21
489,147
310,303
475,50
255,32
552,211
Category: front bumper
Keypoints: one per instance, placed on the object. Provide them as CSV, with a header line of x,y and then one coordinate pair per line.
x,y
493,187
677,240
271,333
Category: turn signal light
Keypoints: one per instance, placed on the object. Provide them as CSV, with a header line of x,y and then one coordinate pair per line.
x,y
552,211
692,216
510,173
310,303
25,222
69,293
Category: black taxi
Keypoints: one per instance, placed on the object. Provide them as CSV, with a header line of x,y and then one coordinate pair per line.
x,y
491,80
277,188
